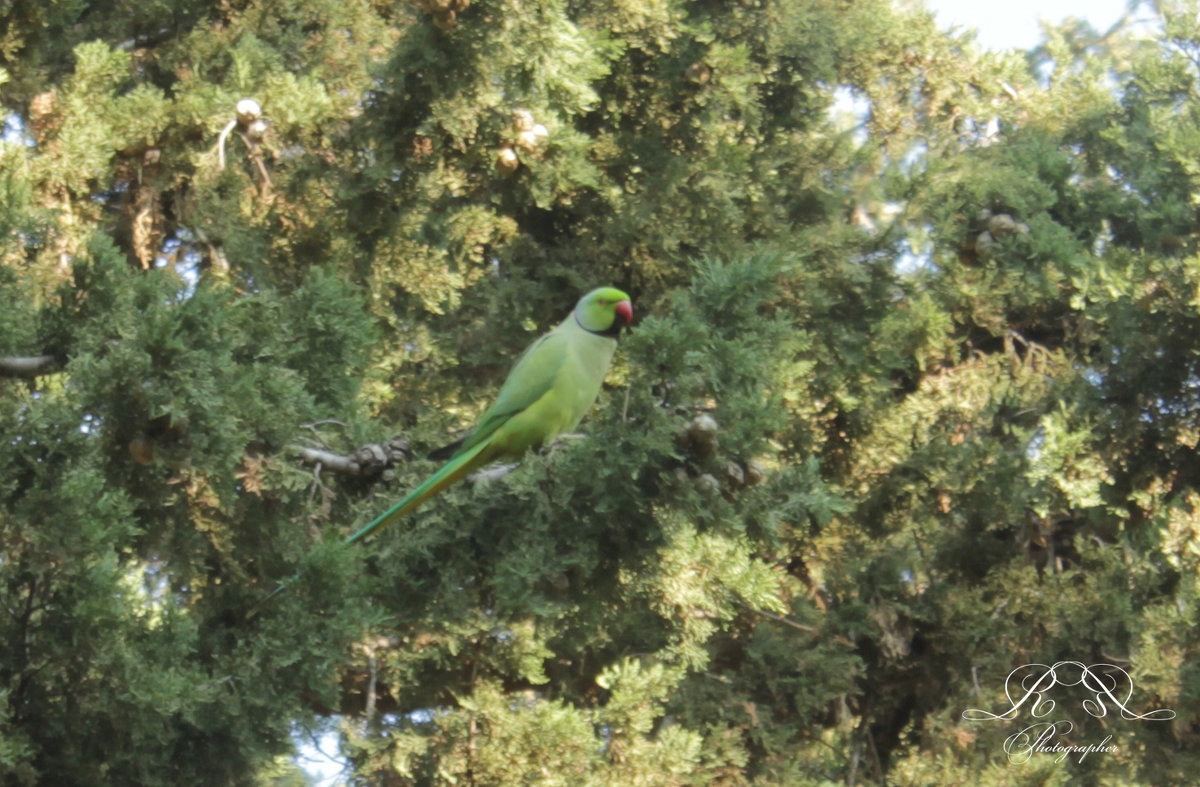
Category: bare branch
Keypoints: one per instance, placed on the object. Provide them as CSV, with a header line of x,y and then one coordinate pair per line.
x,y
335,462
313,426
370,459
807,629
27,366
493,472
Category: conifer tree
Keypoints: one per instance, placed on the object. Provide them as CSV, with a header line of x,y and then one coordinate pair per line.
x,y
910,401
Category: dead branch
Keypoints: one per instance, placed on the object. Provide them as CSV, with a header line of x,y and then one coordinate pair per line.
x,y
371,459
329,460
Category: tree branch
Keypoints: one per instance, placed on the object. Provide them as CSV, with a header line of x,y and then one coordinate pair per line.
x,y
371,459
329,460
27,366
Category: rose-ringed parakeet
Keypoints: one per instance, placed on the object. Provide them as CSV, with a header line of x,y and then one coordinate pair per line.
x,y
547,393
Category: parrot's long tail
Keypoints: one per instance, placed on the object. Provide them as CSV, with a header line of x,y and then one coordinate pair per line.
x,y
457,468
262,601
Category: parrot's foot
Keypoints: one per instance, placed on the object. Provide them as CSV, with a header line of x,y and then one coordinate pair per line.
x,y
562,440
493,472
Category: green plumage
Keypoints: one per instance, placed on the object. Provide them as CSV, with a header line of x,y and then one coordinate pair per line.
x,y
549,390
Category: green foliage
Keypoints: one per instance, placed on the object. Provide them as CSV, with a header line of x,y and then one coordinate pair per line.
x,y
911,399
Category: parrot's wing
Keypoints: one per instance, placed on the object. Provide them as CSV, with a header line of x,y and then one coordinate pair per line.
x,y
530,379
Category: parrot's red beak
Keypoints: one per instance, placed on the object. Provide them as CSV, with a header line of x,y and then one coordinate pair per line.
x,y
624,312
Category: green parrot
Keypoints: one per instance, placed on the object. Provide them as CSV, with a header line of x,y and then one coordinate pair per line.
x,y
554,383
547,393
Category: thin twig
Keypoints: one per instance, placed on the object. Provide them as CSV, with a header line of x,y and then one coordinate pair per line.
x,y
256,156
230,126
313,426
316,485
778,618
373,667
807,629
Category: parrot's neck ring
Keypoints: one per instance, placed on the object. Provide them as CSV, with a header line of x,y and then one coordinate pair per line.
x,y
612,332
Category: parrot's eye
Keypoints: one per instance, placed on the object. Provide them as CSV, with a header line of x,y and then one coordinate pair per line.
x,y
601,302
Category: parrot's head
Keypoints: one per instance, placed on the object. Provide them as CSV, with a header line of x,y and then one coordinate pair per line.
x,y
605,311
